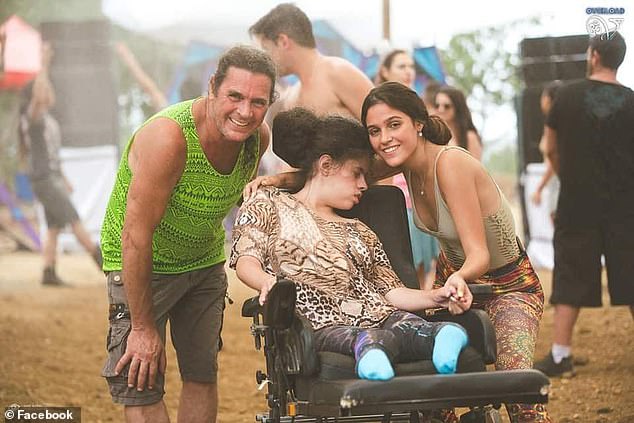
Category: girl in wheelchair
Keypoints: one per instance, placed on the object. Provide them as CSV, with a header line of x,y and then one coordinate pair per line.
x,y
456,200
345,285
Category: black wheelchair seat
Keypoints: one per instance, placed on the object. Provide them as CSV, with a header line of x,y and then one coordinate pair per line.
x,y
335,366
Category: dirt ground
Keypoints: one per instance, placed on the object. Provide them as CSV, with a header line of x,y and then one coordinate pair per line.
x,y
52,343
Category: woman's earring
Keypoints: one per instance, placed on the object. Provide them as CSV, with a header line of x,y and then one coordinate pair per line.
x,y
420,133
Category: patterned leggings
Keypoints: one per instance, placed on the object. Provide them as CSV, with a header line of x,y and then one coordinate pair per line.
x,y
515,309
403,336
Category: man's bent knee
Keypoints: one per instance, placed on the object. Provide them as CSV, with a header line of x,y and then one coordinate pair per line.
x,y
153,413
199,402
200,391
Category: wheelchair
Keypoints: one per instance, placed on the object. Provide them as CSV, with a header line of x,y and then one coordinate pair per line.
x,y
305,385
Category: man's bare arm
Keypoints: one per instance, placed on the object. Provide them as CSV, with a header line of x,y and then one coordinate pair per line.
x,y
43,96
350,84
265,140
551,149
157,160
157,98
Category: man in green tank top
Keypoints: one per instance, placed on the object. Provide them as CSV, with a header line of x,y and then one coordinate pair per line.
x,y
163,240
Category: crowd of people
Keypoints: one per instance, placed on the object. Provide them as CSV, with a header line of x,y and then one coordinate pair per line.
x,y
162,244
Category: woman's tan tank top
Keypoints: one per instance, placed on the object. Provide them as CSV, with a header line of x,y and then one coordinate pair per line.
x,y
499,227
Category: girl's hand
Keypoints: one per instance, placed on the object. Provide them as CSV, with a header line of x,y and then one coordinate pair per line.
x,y
460,298
266,287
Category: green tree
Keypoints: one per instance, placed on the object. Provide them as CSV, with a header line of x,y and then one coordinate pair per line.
x,y
484,64
36,11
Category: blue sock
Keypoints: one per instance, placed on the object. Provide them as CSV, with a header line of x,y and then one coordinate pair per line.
x,y
449,341
375,365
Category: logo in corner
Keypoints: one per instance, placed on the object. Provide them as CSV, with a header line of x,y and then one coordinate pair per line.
x,y
602,23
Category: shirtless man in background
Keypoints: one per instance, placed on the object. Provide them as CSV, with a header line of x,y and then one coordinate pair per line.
x,y
327,84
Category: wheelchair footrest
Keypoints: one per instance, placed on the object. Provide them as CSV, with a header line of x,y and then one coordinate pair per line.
x,y
356,396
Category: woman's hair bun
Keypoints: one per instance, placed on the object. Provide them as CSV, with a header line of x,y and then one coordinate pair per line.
x,y
436,130
294,132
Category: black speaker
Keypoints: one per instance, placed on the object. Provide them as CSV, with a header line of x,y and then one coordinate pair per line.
x,y
86,95
546,59
538,72
553,46
542,60
530,125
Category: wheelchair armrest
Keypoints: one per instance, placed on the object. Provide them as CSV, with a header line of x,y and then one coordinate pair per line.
x,y
480,289
251,307
478,326
279,309
294,340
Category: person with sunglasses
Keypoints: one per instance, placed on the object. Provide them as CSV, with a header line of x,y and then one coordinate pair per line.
x,y
451,106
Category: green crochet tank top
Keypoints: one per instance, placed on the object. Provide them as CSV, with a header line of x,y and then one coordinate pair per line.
x,y
191,235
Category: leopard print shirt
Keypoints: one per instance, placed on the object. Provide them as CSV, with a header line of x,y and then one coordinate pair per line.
x,y
340,269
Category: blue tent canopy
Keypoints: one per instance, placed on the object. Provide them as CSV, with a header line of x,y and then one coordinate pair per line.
x,y
201,58
331,42
427,58
198,54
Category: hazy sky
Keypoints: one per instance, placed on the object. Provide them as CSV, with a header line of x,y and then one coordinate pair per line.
x,y
413,22
420,22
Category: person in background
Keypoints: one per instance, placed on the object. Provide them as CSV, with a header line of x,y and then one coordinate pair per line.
x,y
590,143
365,311
429,95
327,84
158,101
451,105
40,141
399,66
549,178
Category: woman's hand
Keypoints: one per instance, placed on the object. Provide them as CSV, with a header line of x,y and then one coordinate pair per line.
x,y
458,298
